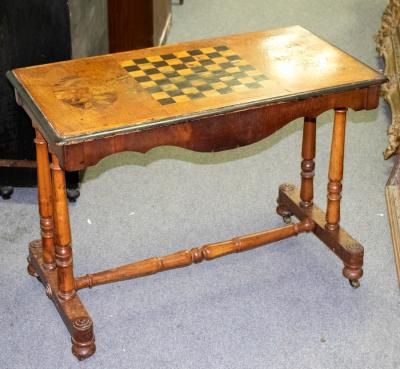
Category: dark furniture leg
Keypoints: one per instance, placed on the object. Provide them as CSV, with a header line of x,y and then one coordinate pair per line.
x,y
72,189
23,173
6,192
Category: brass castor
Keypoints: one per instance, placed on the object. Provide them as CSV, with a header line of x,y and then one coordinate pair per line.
x,y
287,219
353,274
284,213
355,283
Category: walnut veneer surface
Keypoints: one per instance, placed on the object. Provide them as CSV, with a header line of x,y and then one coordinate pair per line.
x,y
97,96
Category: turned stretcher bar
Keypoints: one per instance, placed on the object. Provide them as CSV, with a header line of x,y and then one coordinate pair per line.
x,y
195,255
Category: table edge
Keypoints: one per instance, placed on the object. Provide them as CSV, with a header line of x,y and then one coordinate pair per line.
x,y
46,128
52,137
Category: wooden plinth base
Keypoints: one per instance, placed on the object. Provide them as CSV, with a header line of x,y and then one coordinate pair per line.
x,y
73,313
312,219
339,241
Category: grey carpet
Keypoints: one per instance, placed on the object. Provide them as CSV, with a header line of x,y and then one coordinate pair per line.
x,y
282,306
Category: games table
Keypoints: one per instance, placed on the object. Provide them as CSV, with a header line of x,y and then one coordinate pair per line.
x,y
207,95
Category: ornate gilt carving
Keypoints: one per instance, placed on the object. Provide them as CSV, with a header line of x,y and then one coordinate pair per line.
x,y
388,46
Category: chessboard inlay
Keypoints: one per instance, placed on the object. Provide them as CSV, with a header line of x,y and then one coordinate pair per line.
x,y
194,74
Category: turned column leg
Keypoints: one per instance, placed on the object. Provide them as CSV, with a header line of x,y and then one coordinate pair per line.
x,y
308,165
336,170
45,201
66,288
353,264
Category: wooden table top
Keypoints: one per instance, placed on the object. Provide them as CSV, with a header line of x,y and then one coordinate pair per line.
x,y
82,99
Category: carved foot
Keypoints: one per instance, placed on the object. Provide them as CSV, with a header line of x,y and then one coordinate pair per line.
x,y
30,269
72,312
36,244
6,192
83,343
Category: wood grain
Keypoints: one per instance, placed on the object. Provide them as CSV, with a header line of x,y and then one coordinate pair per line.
x,y
130,24
196,255
308,165
64,263
135,24
45,201
96,95
217,133
336,170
